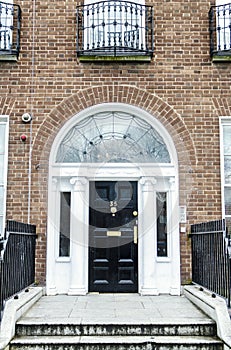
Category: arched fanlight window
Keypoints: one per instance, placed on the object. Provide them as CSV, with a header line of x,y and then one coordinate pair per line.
x,y
112,137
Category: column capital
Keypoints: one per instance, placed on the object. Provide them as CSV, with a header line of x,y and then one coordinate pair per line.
x,y
172,182
54,182
148,183
79,183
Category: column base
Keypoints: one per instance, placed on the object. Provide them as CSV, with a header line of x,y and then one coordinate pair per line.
x,y
51,291
149,291
175,291
77,291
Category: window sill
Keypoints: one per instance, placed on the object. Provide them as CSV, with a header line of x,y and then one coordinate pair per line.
x,y
163,259
222,56
8,57
216,58
63,259
135,58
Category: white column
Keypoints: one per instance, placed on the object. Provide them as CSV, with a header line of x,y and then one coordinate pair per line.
x,y
79,236
53,235
174,238
147,234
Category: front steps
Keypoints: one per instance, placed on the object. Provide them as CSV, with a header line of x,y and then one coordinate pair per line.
x,y
117,343
160,335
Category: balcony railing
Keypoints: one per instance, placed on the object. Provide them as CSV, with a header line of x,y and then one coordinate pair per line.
x,y
220,30
115,28
10,22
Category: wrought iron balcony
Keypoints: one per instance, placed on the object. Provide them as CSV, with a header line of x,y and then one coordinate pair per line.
x,y
220,31
115,29
10,21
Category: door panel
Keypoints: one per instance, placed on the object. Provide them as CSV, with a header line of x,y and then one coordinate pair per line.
x,y
112,252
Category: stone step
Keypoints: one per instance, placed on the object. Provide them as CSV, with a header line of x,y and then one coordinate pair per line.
x,y
116,343
160,327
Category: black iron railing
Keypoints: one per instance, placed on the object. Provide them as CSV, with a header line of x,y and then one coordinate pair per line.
x,y
17,260
220,30
115,28
210,257
10,23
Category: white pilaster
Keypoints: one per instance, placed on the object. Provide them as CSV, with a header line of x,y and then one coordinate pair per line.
x,y
147,234
53,229
79,236
174,237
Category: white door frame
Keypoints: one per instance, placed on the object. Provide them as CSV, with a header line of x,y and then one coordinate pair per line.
x,y
155,274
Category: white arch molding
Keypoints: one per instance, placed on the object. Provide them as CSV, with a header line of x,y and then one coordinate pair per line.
x,y
156,274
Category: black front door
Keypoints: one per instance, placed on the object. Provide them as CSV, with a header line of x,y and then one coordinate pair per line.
x,y
113,250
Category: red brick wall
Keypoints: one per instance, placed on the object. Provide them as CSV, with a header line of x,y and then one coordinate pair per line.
x,y
180,86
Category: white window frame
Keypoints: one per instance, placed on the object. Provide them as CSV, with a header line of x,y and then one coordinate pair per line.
x,y
223,36
224,121
5,121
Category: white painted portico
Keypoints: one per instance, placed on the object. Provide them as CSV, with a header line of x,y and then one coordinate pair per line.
x,y
156,274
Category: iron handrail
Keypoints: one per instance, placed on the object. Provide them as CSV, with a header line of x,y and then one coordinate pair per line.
x,y
211,261
17,259
10,28
115,28
220,30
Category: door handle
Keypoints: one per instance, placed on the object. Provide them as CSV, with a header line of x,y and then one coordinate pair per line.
x,y
135,232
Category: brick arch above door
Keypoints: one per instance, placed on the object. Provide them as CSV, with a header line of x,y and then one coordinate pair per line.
x,y
70,107
129,95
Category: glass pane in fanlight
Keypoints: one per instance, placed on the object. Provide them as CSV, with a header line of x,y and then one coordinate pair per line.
x,y
2,138
228,201
227,139
113,137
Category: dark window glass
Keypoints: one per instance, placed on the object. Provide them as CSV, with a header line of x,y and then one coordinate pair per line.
x,y
65,210
161,206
